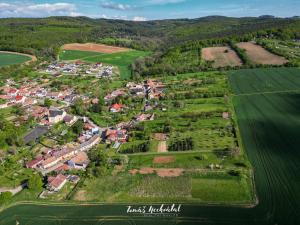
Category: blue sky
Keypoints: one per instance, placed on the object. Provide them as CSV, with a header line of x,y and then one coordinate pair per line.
x,y
148,9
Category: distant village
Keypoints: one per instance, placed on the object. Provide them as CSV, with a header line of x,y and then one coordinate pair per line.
x,y
30,95
80,68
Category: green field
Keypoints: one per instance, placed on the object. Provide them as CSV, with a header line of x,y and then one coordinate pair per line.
x,y
122,60
7,59
265,80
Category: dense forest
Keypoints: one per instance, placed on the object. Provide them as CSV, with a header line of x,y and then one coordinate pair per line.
x,y
43,37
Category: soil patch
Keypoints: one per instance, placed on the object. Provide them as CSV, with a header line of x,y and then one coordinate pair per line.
x,y
161,172
91,47
259,55
163,159
221,56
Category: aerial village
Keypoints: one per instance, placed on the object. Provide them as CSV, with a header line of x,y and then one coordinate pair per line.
x,y
32,95
80,68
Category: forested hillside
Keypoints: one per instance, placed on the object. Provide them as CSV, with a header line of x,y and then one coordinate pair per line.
x,y
43,37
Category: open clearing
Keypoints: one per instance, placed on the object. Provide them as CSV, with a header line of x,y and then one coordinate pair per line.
x,y
12,58
92,47
222,56
259,55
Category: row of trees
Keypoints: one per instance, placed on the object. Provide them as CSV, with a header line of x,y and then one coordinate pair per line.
x,y
143,147
185,144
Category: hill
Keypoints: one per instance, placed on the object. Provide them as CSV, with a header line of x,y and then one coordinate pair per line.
x,y
35,36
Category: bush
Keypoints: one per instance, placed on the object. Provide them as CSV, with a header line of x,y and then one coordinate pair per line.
x,y
5,197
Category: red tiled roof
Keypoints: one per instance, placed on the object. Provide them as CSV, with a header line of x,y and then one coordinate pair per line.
x,y
64,167
19,97
58,180
117,106
34,162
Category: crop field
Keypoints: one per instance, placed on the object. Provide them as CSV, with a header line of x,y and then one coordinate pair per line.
x,y
7,59
265,80
221,56
122,60
259,55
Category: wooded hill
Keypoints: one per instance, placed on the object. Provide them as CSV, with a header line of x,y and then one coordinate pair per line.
x,y
43,37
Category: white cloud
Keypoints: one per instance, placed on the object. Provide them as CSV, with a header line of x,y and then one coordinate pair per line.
x,y
116,17
164,2
37,10
139,18
116,6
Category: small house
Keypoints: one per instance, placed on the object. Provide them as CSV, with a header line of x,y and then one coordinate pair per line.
x,y
56,183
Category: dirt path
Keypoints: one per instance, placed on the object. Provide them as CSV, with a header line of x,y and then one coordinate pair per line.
x,y
13,190
162,146
33,57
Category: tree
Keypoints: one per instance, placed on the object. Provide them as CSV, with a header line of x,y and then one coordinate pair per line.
x,y
79,107
99,157
5,197
47,102
35,183
77,127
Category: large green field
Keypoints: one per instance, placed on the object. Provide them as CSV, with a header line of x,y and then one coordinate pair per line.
x,y
265,80
269,125
122,60
7,59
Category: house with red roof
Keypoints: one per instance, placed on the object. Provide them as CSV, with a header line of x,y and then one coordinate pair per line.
x,y
56,183
116,108
34,163
13,92
19,99
116,135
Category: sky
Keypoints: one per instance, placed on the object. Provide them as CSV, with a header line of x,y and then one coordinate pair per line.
x,y
141,10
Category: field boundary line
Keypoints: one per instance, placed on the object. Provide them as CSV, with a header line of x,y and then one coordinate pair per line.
x,y
267,92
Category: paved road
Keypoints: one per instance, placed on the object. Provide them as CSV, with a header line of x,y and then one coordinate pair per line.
x,y
14,190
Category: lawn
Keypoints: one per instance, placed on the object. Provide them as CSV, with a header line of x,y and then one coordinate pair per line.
x,y
7,59
122,60
221,190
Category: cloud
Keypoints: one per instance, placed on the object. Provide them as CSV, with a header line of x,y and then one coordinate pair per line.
x,y
139,18
164,2
37,10
115,6
116,17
